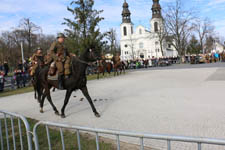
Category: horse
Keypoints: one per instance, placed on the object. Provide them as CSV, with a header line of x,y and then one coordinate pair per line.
x,y
101,67
76,81
34,80
104,65
118,65
109,67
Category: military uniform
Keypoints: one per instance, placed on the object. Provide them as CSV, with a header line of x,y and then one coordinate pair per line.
x,y
60,55
34,61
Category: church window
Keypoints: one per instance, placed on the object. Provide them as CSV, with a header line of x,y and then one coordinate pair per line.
x,y
169,45
125,45
132,30
141,45
140,31
156,26
125,31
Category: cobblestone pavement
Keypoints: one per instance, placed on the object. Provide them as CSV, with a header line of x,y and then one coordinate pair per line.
x,y
185,101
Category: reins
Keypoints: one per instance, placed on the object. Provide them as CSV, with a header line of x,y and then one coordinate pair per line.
x,y
84,62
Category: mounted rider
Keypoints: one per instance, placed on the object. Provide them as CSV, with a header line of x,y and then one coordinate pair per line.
x,y
34,60
61,57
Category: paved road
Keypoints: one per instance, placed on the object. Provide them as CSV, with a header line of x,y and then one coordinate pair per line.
x,y
183,100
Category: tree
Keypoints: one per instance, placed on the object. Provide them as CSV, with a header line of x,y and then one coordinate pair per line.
x,y
131,45
162,35
44,41
29,32
112,38
194,46
203,28
83,29
209,45
179,25
9,48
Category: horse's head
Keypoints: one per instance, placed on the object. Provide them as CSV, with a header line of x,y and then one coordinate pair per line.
x,y
90,55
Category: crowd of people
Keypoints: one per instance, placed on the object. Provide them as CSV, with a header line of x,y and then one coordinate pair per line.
x,y
18,77
153,62
204,58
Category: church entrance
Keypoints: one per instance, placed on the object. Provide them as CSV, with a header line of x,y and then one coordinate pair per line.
x,y
142,55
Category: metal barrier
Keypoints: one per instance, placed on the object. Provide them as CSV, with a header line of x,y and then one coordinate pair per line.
x,y
11,116
141,136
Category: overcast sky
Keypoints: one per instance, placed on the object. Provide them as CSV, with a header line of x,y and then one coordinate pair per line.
x,y
49,14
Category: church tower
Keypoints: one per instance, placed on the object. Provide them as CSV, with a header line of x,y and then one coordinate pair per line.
x,y
157,19
126,28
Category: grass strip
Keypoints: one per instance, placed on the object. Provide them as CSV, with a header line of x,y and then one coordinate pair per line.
x,y
70,138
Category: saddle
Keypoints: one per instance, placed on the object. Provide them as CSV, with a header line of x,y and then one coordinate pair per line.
x,y
52,72
52,69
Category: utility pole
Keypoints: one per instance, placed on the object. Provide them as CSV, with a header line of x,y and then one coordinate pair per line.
x,y
22,52
23,61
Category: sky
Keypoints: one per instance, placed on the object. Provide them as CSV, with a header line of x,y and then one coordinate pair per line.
x,y
49,14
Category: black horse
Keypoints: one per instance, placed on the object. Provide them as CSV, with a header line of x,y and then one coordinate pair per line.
x,y
77,80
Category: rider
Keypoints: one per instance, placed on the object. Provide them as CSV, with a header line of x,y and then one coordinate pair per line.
x,y
34,60
61,57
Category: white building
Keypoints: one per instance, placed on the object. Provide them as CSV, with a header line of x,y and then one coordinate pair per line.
x,y
141,43
218,48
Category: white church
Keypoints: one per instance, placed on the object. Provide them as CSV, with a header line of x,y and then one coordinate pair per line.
x,y
142,43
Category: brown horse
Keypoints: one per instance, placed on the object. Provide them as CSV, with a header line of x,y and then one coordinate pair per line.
x,y
118,66
101,67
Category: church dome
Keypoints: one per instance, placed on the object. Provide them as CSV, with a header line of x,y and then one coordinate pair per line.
x,y
125,4
126,11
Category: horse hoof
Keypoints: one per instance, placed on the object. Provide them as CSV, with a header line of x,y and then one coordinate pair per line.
x,y
63,116
97,115
41,111
57,113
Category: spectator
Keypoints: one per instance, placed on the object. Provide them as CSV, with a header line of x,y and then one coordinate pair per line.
x,y
13,81
1,66
20,66
2,80
6,68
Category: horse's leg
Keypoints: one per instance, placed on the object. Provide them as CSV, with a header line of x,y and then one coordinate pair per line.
x,y
42,102
86,94
50,101
98,74
68,94
47,93
103,71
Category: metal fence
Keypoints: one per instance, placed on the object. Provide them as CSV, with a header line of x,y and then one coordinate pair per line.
x,y
168,138
8,120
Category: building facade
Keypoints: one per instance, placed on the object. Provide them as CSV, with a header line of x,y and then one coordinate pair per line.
x,y
217,48
141,43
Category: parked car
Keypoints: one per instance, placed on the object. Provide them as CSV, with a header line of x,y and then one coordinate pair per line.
x,y
201,59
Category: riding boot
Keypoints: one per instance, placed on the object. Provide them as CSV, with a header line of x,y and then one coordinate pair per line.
x,y
60,81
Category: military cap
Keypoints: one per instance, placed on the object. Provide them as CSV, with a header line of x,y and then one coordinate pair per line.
x,y
60,35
